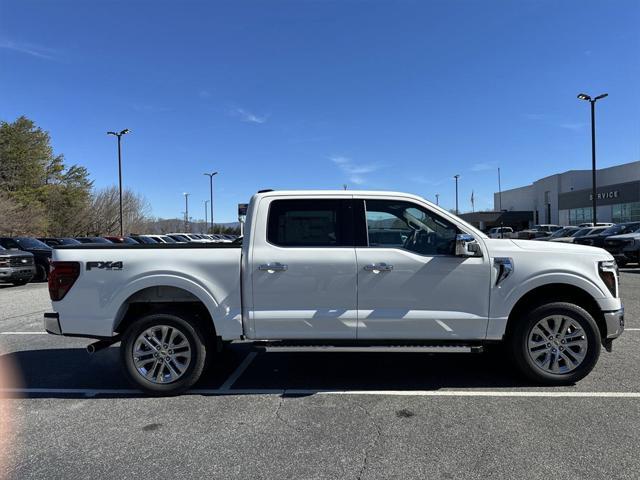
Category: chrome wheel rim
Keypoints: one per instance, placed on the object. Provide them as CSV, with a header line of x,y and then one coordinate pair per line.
x,y
161,354
557,344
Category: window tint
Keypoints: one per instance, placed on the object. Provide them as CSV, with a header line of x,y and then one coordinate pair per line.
x,y
309,223
405,225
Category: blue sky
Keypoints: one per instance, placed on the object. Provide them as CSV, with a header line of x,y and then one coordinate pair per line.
x,y
316,94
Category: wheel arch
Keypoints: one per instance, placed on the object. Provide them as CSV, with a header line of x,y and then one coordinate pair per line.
x,y
172,299
556,292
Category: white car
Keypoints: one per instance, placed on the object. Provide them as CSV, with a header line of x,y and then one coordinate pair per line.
x,y
501,232
309,273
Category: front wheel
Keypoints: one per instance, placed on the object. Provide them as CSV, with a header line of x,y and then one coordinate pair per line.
x,y
163,354
556,344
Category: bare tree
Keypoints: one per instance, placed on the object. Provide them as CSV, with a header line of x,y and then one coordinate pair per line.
x,y
17,219
104,216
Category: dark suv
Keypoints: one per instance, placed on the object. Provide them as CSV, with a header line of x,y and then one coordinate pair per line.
x,y
597,239
41,253
16,267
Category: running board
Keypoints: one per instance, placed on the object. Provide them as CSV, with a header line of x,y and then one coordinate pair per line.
x,y
376,348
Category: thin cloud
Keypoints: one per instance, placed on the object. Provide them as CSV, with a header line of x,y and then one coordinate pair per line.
x,y
484,166
29,49
249,117
572,126
355,172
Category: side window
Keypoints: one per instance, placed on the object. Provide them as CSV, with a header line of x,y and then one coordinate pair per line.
x,y
309,223
405,225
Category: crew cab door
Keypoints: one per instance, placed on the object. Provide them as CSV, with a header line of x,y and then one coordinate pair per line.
x,y
303,269
411,285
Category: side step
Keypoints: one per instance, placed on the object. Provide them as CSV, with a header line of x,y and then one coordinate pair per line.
x,y
374,348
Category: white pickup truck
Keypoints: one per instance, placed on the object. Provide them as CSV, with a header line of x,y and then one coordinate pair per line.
x,y
339,270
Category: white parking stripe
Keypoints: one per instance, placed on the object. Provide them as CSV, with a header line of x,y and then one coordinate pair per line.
x,y
238,371
23,333
90,392
632,329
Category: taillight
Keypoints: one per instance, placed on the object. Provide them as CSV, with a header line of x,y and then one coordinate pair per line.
x,y
62,276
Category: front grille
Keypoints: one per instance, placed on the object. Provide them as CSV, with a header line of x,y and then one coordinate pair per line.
x,y
21,261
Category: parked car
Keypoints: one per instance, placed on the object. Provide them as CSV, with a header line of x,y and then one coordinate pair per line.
x,y
599,224
55,241
624,248
597,239
564,232
41,253
308,276
93,240
127,240
144,239
190,237
17,267
501,232
580,233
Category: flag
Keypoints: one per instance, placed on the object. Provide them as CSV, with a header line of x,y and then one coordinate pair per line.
x,y
472,202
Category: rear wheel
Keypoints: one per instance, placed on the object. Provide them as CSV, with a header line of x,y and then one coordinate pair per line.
x,y
42,274
163,353
556,344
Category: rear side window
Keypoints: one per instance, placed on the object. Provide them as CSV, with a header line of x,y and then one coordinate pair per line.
x,y
310,223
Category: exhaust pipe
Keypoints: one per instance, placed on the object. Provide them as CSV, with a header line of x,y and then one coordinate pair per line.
x,y
101,345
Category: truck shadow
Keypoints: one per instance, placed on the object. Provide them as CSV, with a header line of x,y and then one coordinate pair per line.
x,y
72,373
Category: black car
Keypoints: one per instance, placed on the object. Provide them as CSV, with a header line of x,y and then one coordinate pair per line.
x,y
54,241
41,253
597,239
93,240
16,267
143,239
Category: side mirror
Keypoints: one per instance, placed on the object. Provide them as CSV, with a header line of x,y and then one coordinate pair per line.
x,y
467,246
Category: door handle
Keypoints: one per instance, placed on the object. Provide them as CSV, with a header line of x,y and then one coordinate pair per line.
x,y
273,267
378,267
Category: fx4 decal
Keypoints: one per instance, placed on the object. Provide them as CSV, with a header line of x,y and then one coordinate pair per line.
x,y
104,265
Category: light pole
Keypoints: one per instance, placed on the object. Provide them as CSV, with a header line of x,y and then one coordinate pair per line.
x,y
499,191
119,135
211,175
456,178
592,101
437,199
206,223
186,212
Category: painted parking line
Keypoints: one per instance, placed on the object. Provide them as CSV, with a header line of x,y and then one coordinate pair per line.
x,y
238,371
91,392
23,333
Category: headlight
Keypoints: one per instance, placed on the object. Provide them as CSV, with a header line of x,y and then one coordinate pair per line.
x,y
608,271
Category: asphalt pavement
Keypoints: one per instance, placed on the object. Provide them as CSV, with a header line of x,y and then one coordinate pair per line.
x,y
311,415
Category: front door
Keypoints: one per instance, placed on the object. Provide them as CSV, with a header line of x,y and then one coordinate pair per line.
x,y
303,270
411,285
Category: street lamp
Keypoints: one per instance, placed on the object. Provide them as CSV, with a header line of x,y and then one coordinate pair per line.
x,y
592,101
186,211
211,175
119,135
456,177
206,202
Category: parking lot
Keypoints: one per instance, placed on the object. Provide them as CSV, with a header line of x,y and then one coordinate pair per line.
x,y
312,415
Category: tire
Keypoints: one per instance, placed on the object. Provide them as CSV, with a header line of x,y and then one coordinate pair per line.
x,y
42,274
161,378
566,358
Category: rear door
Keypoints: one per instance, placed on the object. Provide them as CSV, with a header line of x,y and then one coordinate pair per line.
x,y
303,269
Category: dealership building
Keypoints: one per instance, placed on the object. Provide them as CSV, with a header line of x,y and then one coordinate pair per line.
x,y
566,198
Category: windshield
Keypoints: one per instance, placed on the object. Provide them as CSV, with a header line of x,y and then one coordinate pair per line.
x,y
563,232
581,233
28,242
621,229
68,241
